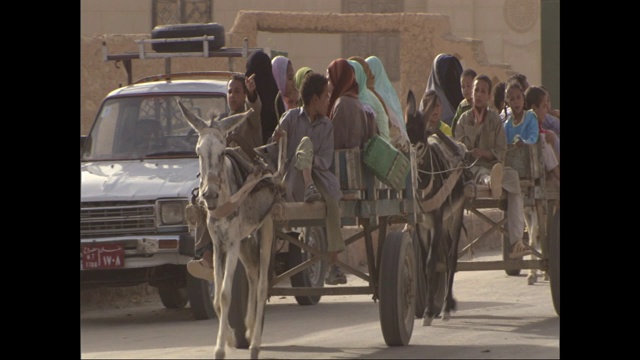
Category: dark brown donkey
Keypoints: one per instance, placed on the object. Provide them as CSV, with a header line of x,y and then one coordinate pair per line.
x,y
441,200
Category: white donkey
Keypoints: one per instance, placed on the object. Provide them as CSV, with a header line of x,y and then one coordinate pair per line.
x,y
234,213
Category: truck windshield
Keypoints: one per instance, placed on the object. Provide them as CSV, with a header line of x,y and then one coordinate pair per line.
x,y
148,126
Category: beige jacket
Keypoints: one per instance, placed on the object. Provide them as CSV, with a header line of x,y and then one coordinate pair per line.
x,y
489,135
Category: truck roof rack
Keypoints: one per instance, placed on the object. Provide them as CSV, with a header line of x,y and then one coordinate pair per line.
x,y
142,53
190,74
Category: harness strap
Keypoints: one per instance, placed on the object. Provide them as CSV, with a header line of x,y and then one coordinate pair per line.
x,y
251,181
235,199
253,156
421,151
442,194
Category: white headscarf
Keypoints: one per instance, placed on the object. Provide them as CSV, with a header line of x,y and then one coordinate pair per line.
x,y
279,66
386,90
367,97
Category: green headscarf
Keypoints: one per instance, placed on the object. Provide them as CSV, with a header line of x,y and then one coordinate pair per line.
x,y
298,78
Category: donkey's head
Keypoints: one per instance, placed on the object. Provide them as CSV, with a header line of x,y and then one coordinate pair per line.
x,y
211,151
415,119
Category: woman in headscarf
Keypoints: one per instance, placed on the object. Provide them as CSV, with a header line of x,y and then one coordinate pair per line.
x,y
395,132
300,74
259,64
445,80
368,98
284,74
388,93
370,80
350,127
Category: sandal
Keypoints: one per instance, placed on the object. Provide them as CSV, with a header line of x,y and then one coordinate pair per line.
x,y
519,249
335,276
200,269
311,194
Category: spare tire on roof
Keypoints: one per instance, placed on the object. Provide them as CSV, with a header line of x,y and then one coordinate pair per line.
x,y
173,31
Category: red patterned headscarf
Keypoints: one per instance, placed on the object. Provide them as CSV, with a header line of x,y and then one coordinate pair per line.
x,y
343,80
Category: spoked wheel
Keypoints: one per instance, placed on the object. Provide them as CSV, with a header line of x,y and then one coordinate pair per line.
x,y
312,276
554,261
397,289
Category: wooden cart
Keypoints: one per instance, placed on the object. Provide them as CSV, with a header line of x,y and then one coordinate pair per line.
x,y
538,197
393,274
391,268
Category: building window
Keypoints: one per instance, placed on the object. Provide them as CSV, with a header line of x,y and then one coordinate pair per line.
x,y
166,12
386,46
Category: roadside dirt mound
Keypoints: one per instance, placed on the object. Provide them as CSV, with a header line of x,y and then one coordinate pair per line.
x,y
116,297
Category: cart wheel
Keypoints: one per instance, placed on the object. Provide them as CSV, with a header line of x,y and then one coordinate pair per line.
x,y
554,261
314,275
397,289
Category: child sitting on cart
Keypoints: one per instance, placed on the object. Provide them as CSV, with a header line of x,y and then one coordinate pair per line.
x,y
310,149
522,126
482,132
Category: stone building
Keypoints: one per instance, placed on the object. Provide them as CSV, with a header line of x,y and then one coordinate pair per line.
x,y
496,37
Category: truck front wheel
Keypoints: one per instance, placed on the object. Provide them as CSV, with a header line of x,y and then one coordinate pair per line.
x,y
200,293
173,298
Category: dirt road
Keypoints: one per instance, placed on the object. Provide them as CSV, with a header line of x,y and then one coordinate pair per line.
x,y
499,316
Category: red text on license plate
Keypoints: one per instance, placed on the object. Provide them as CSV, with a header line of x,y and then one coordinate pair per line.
x,y
102,256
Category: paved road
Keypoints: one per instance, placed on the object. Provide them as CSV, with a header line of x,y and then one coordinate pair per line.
x,y
499,316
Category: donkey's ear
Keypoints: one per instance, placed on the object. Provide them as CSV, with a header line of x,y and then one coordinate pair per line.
x,y
193,119
411,103
228,124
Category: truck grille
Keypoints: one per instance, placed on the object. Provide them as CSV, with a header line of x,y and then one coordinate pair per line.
x,y
110,219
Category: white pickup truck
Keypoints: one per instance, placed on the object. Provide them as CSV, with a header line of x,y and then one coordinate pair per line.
x,y
138,169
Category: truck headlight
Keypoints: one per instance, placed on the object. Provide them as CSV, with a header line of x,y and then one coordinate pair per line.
x,y
172,212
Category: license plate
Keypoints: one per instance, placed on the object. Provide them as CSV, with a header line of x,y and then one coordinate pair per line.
x,y
103,256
